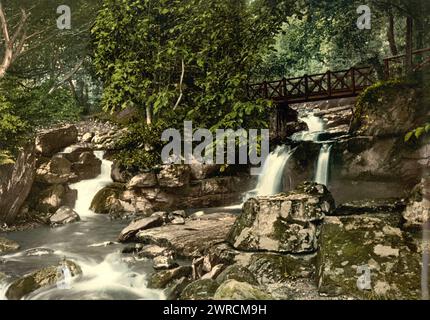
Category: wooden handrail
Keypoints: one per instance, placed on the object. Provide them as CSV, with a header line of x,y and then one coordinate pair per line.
x,y
404,55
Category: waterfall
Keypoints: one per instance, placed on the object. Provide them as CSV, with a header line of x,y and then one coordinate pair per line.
x,y
315,126
270,179
87,189
322,172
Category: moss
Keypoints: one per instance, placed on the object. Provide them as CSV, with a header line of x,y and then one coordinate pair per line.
x,y
40,278
200,290
235,290
237,273
370,98
346,246
277,267
163,278
100,203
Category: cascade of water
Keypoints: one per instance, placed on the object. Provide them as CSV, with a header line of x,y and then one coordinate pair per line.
x,y
110,278
87,189
315,126
321,175
270,179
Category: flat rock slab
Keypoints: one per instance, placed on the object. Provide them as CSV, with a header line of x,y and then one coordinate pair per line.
x,y
192,237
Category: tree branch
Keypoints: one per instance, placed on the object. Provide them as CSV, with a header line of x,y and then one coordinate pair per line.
x,y
68,76
180,86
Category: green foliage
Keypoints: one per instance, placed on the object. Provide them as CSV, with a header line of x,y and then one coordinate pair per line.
x,y
325,36
140,148
418,133
5,158
142,45
23,109
11,128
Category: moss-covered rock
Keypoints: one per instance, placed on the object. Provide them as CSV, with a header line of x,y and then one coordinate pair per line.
x,y
373,242
235,290
284,223
162,279
174,289
238,273
200,290
7,245
106,200
387,109
41,278
272,268
388,205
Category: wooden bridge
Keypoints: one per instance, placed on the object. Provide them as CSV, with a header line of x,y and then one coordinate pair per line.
x,y
328,85
323,86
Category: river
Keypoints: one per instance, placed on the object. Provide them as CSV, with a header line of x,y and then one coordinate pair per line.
x,y
107,273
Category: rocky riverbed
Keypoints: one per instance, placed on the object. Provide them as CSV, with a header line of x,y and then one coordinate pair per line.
x,y
170,233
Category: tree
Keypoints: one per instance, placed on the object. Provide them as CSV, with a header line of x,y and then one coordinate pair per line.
x,y
192,57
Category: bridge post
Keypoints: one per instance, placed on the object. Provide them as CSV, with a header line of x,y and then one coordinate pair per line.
x,y
284,87
354,89
387,68
266,90
306,86
329,83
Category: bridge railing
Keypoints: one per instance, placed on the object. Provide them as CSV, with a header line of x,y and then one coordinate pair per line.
x,y
326,85
396,66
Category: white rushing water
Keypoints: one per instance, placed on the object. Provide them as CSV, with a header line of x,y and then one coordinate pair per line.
x,y
315,126
90,243
323,165
112,278
270,179
87,189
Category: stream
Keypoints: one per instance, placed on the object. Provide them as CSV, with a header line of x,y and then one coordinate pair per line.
x,y
107,274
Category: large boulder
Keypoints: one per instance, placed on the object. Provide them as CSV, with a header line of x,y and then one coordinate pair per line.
x,y
162,279
87,167
193,238
73,152
285,223
51,141
49,199
265,267
41,278
128,233
374,245
278,268
200,171
143,180
387,109
238,273
119,173
200,290
7,245
235,290
15,183
64,215
55,171
173,176
107,199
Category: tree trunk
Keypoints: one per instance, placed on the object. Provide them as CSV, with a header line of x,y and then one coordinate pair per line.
x,y
409,44
391,36
148,115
